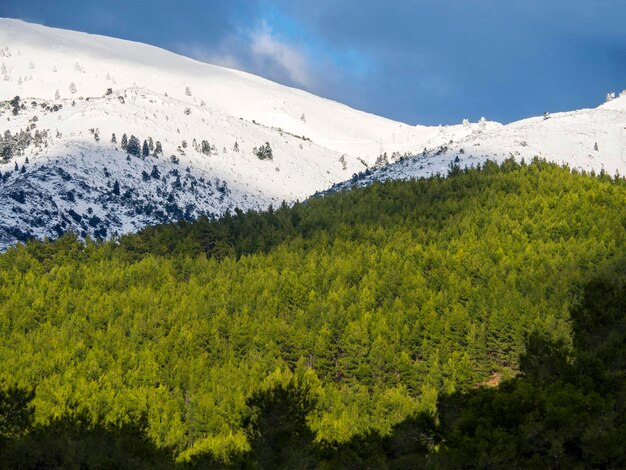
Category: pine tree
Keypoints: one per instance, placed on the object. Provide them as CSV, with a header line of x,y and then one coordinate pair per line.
x,y
73,88
57,95
124,143
158,150
116,188
145,151
150,144
134,147
264,152
113,139
206,148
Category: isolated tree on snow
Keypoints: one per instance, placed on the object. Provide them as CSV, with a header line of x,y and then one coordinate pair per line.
x,y
236,147
113,139
595,147
150,144
72,88
124,143
206,148
158,150
57,95
264,152
134,147
145,150
188,91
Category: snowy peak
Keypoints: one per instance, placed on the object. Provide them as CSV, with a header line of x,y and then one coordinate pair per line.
x,y
40,61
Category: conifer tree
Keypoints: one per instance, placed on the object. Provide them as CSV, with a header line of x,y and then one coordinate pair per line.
x,y
133,147
206,148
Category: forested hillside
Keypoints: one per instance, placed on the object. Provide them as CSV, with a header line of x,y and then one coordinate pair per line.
x,y
338,324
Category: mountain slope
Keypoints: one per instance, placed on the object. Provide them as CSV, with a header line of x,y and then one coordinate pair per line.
x,y
373,302
61,171
94,63
587,139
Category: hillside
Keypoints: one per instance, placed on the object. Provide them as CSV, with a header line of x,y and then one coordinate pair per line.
x,y
61,172
587,140
369,305
76,90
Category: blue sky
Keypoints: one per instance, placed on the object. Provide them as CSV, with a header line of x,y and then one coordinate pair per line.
x,y
418,61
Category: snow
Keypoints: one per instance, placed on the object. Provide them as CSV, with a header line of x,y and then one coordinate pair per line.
x,y
587,139
87,60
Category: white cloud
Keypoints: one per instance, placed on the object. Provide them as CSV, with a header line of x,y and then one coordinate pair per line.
x,y
259,51
265,46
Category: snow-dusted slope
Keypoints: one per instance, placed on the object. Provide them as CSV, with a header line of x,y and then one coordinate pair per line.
x,y
61,171
588,139
48,59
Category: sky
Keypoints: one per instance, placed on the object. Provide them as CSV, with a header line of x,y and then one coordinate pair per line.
x,y
417,61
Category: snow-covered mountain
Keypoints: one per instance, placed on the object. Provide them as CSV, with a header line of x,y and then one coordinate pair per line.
x,y
588,140
61,171
207,131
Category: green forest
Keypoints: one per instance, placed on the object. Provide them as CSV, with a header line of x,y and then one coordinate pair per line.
x,y
473,320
